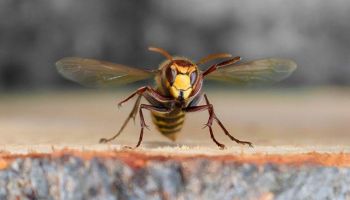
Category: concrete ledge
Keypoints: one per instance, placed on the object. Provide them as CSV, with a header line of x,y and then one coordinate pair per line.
x,y
142,174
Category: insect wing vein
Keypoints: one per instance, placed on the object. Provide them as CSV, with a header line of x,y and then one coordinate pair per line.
x,y
97,73
259,71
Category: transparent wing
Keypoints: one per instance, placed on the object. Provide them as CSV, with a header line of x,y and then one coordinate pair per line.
x,y
258,71
95,73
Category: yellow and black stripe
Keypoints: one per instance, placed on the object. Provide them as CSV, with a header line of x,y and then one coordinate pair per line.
x,y
169,124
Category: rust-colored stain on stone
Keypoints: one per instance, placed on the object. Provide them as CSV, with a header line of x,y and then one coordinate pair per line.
x,y
138,159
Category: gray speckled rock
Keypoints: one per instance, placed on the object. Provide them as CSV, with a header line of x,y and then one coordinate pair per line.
x,y
71,177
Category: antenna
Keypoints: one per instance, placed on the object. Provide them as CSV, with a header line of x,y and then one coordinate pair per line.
x,y
161,51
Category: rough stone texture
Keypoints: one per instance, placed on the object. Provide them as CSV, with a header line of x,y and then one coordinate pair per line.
x,y
69,176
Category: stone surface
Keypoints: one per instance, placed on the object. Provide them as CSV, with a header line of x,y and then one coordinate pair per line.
x,y
135,175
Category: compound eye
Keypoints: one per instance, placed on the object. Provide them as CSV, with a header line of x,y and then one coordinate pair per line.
x,y
193,77
170,74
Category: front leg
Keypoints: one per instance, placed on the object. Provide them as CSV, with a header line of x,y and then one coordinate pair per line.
x,y
147,89
222,64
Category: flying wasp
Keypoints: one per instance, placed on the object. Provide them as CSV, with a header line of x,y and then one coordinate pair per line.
x,y
178,88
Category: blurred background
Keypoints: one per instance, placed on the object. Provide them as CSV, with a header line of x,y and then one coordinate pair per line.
x,y
35,34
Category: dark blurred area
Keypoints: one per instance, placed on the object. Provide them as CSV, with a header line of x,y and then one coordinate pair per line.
x,y
35,34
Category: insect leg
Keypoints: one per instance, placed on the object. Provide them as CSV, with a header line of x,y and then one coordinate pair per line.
x,y
142,120
131,115
221,146
222,64
155,94
223,128
208,107
201,108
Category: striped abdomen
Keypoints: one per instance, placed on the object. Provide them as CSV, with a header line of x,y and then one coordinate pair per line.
x,y
169,124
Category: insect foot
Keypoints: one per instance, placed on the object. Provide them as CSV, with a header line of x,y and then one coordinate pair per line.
x,y
128,148
103,141
246,143
222,146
